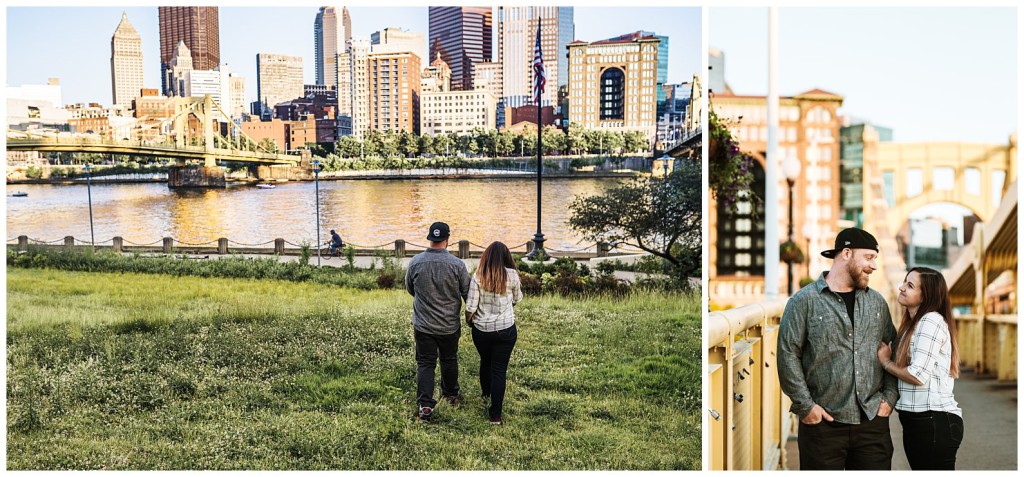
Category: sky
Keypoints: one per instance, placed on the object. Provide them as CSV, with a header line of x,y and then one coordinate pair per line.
x,y
76,44
928,73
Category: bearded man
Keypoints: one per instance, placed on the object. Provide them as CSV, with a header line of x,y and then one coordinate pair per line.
x,y
827,366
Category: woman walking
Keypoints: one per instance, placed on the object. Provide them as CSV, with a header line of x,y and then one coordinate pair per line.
x,y
927,361
495,289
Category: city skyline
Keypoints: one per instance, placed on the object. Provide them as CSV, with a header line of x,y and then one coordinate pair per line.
x,y
904,73
88,41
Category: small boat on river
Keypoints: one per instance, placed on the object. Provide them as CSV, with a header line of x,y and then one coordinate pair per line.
x,y
266,186
20,194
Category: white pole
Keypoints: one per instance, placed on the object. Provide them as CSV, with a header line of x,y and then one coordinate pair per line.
x,y
771,179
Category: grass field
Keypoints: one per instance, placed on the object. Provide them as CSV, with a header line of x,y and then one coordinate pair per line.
x,y
125,371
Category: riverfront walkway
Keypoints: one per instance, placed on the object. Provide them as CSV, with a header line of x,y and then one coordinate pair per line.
x,y
990,427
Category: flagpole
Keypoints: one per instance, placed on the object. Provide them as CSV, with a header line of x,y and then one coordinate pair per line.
x,y
538,239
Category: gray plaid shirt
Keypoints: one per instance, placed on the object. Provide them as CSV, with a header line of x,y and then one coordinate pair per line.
x,y
826,360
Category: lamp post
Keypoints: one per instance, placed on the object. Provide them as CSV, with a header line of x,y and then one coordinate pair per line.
x,y
88,188
791,168
316,180
808,231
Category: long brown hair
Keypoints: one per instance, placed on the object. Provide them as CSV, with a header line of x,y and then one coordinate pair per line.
x,y
491,273
934,297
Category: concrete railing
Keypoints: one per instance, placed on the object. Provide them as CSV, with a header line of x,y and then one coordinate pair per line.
x,y
748,415
223,246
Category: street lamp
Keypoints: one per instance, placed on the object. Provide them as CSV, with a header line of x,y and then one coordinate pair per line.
x,y
808,231
664,163
316,180
88,188
791,169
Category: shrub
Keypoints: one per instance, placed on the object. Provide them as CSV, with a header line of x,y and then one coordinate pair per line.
x,y
530,284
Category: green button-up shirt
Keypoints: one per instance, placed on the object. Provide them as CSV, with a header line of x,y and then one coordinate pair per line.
x,y
825,359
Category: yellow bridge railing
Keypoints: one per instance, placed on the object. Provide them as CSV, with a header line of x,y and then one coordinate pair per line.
x,y
748,413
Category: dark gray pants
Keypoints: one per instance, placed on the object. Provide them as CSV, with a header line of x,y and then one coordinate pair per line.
x,y
428,348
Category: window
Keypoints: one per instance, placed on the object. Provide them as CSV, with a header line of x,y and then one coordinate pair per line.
x,y
914,182
612,94
740,237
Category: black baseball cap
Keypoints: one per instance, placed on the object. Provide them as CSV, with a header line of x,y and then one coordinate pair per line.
x,y
852,238
439,232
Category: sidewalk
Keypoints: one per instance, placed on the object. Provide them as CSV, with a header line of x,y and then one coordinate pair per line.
x,y
990,427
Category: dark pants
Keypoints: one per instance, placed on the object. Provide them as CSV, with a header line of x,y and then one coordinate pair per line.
x,y
836,446
931,439
428,347
495,349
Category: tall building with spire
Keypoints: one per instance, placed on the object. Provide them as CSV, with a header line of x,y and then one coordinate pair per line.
x,y
199,28
126,63
517,35
177,70
331,34
462,37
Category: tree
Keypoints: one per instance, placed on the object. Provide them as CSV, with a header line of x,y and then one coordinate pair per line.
x,y
269,145
635,141
554,140
408,145
505,143
347,146
660,216
576,141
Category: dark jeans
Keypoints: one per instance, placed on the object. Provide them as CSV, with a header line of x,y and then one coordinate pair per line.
x,y
495,349
931,439
835,446
428,347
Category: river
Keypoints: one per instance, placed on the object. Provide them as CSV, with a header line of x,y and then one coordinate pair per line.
x,y
366,213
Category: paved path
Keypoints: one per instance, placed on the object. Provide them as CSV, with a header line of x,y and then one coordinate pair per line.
x,y
990,423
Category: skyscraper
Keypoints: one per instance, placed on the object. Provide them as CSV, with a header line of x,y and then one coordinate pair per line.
x,y
462,36
329,39
125,62
394,97
198,27
517,30
397,40
278,78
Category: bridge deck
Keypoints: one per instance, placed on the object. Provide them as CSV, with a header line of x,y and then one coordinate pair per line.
x,y
990,422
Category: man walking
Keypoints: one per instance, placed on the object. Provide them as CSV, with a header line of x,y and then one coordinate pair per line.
x,y
439,283
827,365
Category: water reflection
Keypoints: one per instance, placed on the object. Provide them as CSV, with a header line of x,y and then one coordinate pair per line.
x,y
366,213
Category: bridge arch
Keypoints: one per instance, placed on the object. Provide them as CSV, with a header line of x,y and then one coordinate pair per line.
x,y
971,175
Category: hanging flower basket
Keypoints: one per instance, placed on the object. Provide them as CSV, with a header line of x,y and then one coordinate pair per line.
x,y
789,252
730,170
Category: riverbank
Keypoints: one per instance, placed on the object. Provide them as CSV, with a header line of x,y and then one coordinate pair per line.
x,y
260,374
354,176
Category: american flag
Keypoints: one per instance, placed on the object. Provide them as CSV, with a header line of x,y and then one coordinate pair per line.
x,y
539,78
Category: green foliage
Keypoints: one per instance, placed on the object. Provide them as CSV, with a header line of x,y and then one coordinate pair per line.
x,y
304,254
658,216
730,170
33,172
243,374
228,267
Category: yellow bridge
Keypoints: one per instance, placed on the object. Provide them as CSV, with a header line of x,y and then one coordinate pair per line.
x,y
210,146
749,423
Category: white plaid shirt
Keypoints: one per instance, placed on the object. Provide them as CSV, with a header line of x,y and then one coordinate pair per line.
x,y
493,311
930,348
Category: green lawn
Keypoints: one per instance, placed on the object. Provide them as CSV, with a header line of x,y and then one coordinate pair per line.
x,y
125,371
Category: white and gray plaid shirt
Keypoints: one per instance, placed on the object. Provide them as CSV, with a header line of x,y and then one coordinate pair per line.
x,y
930,348
493,311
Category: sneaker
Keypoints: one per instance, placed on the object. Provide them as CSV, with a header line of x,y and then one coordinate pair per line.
x,y
453,399
496,421
424,414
